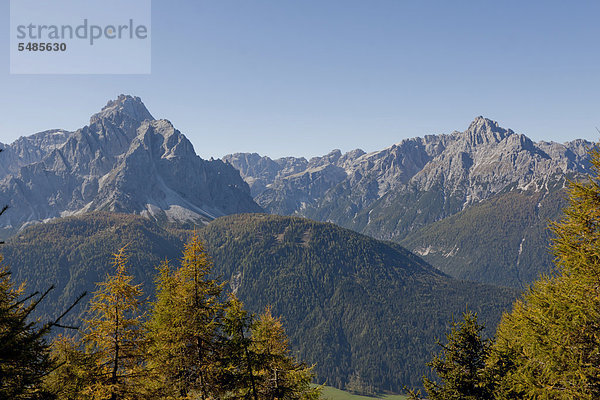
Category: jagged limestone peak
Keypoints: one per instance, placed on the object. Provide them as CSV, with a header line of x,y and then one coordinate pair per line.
x,y
130,106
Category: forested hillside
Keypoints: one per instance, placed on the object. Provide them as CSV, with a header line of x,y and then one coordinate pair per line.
x,y
355,306
503,239
74,253
441,196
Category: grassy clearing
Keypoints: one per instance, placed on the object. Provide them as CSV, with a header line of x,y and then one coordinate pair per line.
x,y
331,393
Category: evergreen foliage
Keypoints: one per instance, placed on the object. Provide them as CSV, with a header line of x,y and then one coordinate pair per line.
x,y
549,345
71,254
280,376
193,345
106,360
114,336
24,352
75,370
184,325
327,283
240,363
370,308
461,364
503,240
257,360
24,355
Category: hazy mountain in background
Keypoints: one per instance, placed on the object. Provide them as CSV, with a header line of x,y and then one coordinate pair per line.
x,y
395,193
124,161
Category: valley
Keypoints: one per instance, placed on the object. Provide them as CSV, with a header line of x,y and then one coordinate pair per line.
x,y
351,305
365,256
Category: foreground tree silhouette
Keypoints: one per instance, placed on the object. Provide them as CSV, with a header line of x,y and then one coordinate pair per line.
x,y
461,365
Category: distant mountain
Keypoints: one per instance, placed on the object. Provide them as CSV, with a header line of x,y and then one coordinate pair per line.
x,y
394,193
351,304
504,239
124,161
30,149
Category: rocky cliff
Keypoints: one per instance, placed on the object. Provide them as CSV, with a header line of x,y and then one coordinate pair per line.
x,y
394,193
124,161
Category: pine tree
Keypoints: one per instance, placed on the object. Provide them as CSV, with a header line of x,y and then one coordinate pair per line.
x,y
184,326
237,378
549,345
279,375
461,365
114,337
24,354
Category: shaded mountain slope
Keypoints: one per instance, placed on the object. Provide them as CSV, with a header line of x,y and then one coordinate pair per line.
x,y
395,193
378,306
503,239
350,303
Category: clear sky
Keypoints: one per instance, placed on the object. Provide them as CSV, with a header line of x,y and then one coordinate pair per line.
x,y
302,77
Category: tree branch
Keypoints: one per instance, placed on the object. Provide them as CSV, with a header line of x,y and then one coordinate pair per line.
x,y
57,320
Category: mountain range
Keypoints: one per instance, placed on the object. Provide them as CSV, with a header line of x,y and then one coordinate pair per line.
x,y
404,192
123,161
408,238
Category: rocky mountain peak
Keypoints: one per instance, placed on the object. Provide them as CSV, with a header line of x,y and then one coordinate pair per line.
x,y
124,161
484,131
125,105
394,191
331,158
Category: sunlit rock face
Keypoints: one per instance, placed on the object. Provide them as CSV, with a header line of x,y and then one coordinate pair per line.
x,y
124,161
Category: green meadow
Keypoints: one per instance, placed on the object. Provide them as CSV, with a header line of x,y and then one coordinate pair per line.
x,y
331,393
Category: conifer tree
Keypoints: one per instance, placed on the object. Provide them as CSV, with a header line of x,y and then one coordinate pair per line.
x,y
549,345
461,365
24,355
184,326
75,369
238,373
279,375
114,337
24,352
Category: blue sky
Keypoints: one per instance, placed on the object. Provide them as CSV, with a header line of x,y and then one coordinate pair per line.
x,y
302,77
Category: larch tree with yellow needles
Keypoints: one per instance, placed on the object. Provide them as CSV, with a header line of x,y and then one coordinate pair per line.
x,y
114,336
184,326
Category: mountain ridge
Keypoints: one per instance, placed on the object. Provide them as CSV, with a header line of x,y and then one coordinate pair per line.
x,y
125,160
351,304
393,193
465,161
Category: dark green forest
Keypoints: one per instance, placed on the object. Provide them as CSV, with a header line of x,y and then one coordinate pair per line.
x,y
548,345
503,240
352,305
